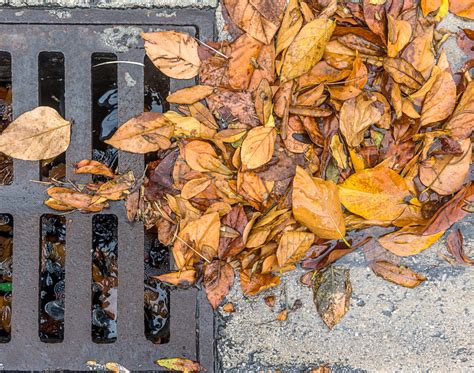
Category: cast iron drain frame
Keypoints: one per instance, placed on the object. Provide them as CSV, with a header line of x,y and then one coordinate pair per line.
x,y
78,33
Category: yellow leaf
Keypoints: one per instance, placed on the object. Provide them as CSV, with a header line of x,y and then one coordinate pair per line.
x,y
316,205
307,48
375,194
180,364
190,95
443,10
194,187
200,156
293,245
174,53
38,134
337,151
145,133
257,148
189,126
197,240
440,99
357,114
408,241
290,25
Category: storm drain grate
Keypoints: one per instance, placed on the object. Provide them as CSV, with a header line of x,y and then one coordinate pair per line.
x,y
72,38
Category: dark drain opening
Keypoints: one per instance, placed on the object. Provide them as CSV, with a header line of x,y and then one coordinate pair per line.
x,y
51,93
104,109
6,260
6,163
52,277
104,278
157,303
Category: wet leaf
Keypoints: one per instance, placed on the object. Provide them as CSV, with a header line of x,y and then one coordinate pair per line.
x,y
375,194
399,275
293,245
190,95
257,148
455,246
357,114
145,133
332,291
218,280
180,365
316,205
35,135
174,53
307,48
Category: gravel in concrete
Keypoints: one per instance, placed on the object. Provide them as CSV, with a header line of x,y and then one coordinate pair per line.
x,y
388,327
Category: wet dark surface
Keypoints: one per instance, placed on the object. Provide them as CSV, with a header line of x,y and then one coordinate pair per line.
x,y
157,328
104,278
6,246
51,93
52,276
6,163
104,109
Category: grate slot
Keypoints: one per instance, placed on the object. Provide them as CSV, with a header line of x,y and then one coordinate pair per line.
x,y
6,163
6,247
52,278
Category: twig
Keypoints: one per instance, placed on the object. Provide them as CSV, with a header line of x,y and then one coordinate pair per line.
x,y
197,252
215,50
117,62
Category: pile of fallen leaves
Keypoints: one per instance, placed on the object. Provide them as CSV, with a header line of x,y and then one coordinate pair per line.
x,y
319,119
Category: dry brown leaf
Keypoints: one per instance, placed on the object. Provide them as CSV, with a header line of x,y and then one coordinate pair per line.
x,y
428,6
293,246
462,8
75,200
332,291
403,72
440,99
190,95
174,53
446,174
375,194
316,205
257,147
260,19
244,53
399,35
399,275
290,26
357,114
189,126
460,124
254,283
194,187
263,101
218,280
455,246
408,241
201,156
87,166
145,133
307,48
35,135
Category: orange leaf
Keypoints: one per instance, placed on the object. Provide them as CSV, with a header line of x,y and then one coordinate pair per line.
x,y
218,280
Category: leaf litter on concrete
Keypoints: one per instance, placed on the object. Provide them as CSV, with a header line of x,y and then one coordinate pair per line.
x,y
321,118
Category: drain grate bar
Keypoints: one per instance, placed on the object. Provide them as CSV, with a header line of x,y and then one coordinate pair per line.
x,y
25,34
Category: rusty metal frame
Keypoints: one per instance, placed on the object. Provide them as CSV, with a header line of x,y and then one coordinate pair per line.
x,y
25,33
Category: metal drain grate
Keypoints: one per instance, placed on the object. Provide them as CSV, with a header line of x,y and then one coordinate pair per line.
x,y
77,35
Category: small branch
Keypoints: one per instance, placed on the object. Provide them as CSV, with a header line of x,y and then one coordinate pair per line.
x,y
215,50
